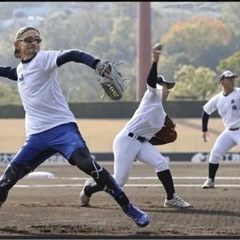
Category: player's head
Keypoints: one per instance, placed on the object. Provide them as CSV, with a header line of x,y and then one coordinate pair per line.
x,y
161,80
26,36
227,75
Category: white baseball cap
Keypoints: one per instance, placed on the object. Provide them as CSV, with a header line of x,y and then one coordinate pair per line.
x,y
227,74
161,79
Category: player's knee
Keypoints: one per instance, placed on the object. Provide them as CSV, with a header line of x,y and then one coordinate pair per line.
x,y
215,158
82,158
161,166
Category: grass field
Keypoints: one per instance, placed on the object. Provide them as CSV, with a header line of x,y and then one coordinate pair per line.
x,y
99,134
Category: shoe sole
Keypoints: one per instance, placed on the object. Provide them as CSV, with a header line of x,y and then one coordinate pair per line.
x,y
205,187
172,206
145,224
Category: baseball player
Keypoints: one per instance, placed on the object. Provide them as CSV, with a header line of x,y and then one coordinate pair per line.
x,y
50,125
227,103
132,141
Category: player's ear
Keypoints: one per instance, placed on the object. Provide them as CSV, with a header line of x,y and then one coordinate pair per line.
x,y
16,43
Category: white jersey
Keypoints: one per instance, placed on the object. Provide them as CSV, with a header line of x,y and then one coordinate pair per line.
x,y
150,115
41,95
228,108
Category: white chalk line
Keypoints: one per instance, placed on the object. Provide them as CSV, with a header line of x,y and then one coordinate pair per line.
x,y
155,178
133,185
127,185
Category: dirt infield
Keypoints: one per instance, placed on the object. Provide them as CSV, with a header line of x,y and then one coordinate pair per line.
x,y
49,208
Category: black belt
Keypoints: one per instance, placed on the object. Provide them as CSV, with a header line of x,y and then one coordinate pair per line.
x,y
135,136
233,129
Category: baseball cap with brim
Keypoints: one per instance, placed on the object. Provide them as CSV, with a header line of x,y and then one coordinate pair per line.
x,y
19,33
227,74
161,79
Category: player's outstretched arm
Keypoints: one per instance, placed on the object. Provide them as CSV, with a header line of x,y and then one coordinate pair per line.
x,y
8,72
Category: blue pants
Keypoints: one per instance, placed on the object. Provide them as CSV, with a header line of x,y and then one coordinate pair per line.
x,y
66,140
37,148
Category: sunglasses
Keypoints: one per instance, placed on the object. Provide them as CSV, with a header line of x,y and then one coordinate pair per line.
x,y
30,39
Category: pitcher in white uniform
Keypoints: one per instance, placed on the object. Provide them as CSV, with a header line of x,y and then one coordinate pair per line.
x,y
227,103
132,141
50,125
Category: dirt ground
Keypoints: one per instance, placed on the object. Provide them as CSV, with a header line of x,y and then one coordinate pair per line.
x,y
49,207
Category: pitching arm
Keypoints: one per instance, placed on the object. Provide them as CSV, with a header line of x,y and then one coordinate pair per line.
x,y
152,75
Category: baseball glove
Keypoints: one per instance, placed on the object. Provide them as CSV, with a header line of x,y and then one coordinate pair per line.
x,y
110,79
167,134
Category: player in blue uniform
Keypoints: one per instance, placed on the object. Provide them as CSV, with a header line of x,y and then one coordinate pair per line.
x,y
50,125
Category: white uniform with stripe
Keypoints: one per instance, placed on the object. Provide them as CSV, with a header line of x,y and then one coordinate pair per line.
x,y
146,121
228,108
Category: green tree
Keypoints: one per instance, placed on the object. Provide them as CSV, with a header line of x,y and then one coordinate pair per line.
x,y
168,65
194,83
203,40
123,28
9,94
231,63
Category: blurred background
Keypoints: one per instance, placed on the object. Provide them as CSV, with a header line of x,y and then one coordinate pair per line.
x,y
200,39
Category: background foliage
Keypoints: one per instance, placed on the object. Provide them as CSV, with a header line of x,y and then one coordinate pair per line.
x,y
198,44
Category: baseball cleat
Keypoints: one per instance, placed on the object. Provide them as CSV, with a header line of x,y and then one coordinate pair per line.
x,y
208,183
176,202
84,199
139,217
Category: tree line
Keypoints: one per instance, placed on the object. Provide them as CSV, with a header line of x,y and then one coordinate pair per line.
x,y
197,49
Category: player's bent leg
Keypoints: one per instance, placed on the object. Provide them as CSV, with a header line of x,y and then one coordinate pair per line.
x,y
9,178
212,171
7,181
172,200
222,145
82,158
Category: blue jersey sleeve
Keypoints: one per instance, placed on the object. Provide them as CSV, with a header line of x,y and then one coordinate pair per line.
x,y
8,72
75,55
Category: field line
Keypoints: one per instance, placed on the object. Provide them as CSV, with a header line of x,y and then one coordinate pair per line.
x,y
127,185
155,178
